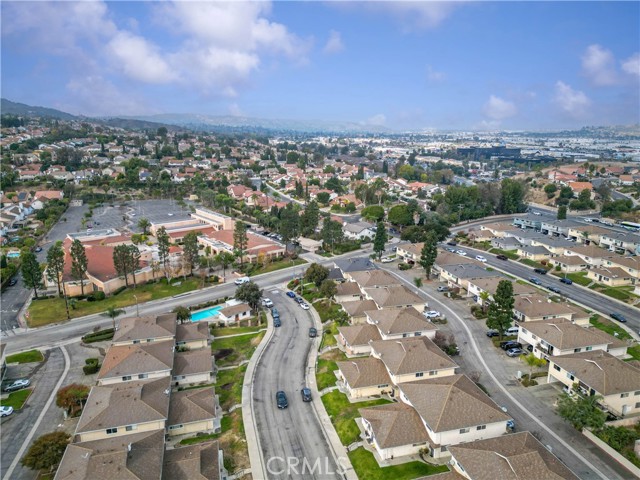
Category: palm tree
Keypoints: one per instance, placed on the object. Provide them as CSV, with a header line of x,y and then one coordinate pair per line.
x,y
484,296
144,224
112,313
585,235
225,259
532,361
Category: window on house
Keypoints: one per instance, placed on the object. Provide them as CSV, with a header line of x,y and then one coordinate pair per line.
x,y
143,375
175,427
135,342
126,378
420,374
149,340
129,428
576,350
405,335
465,430
417,334
433,372
481,427
624,395
570,376
636,393
111,431
588,349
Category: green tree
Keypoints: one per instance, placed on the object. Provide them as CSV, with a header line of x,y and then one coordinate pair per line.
x,y
332,233
112,313
72,398
144,224
316,273
289,223
562,212
225,259
240,241
249,293
373,213
133,261
121,262
500,315
163,249
417,281
79,262
512,196
46,452
550,189
429,253
323,197
533,362
31,272
310,219
334,184
183,314
380,239
328,288
582,411
190,247
400,215
55,264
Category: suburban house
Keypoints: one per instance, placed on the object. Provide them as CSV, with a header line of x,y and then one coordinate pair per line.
x,y
395,296
192,335
359,231
234,313
193,411
610,276
592,255
481,287
536,307
620,242
357,309
461,274
535,253
569,263
364,377
631,265
586,233
348,291
147,329
350,265
202,460
600,373
355,338
192,366
410,252
126,363
374,278
393,324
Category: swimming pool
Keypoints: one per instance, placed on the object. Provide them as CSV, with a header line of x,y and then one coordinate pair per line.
x,y
205,314
13,254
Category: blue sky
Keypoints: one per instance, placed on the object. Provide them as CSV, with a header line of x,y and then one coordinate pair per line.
x,y
414,65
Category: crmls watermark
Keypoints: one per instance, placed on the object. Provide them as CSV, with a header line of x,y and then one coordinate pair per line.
x,y
304,466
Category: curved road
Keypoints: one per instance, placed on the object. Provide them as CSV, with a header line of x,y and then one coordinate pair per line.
x,y
291,439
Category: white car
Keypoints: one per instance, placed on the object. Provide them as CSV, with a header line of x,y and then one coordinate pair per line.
x,y
6,411
461,252
304,306
480,258
267,302
432,314
241,280
386,260
537,213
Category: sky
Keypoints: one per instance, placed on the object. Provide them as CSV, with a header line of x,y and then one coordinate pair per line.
x,y
402,65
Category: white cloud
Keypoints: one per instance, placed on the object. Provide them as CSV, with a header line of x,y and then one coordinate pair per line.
x,y
235,110
497,108
435,76
598,64
632,65
377,120
334,43
573,102
139,59
95,95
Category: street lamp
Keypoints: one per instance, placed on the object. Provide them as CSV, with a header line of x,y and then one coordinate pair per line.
x,y
137,309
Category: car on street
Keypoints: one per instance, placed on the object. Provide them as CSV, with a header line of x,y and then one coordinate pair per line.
x,y
480,258
432,314
502,257
38,249
443,288
566,280
492,333
535,281
509,344
277,322
13,281
313,333
17,385
452,243
461,252
619,317
241,280
386,260
304,306
537,213
306,394
515,352
299,299
553,289
540,271
6,411
267,302
281,399
290,294
274,312
450,249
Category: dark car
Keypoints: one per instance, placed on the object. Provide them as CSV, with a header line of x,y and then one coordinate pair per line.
x,y
618,317
566,280
274,312
509,344
535,281
502,257
38,249
299,299
281,399
13,281
277,322
541,271
553,289
313,333
306,394
290,294
453,244
492,333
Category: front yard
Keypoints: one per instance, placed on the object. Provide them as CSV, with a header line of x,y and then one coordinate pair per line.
x,y
233,350
610,327
326,366
367,468
16,399
272,267
229,386
26,357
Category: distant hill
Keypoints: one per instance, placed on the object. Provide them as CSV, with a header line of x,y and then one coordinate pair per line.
x,y
15,108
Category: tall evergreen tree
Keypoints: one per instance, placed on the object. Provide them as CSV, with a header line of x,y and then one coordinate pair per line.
x,y
133,261
31,272
500,315
289,223
163,248
121,262
429,253
380,240
190,247
310,218
562,212
79,262
240,241
55,264
332,232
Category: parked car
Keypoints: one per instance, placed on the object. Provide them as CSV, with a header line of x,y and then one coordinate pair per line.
x,y
535,281
13,281
566,280
313,333
17,385
502,257
492,333
537,213
299,299
480,258
540,271
306,394
509,344
450,249
619,317
290,294
6,411
304,306
274,312
553,289
515,352
267,302
461,252
281,399
452,243
386,260
432,314
241,280
38,249
443,288
277,322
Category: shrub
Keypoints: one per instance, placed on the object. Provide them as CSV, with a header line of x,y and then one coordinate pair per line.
x,y
92,366
405,266
116,291
98,336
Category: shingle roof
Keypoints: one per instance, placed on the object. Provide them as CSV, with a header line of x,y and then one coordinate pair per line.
x,y
186,332
358,307
451,403
448,258
360,334
122,360
491,285
364,372
538,305
509,457
192,362
354,264
195,462
411,355
348,288
399,320
566,335
374,278
125,404
393,296
235,309
141,328
137,456
601,371
187,406
395,425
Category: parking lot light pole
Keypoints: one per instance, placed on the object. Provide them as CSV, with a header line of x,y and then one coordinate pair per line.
x,y
137,309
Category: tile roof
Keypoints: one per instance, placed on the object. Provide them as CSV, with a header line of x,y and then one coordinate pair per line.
x,y
195,462
125,404
192,362
141,328
122,360
563,334
188,406
452,402
411,355
364,372
395,425
359,334
601,371
358,307
374,278
510,457
186,332
393,321
137,456
394,296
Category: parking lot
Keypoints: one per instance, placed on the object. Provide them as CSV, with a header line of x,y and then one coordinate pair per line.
x,y
155,211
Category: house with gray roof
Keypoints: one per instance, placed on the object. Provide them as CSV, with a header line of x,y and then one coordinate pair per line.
x,y
192,411
124,363
203,461
193,367
364,377
146,329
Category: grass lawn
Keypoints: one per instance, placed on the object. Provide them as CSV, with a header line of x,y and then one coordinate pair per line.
x,y
532,263
329,335
580,278
225,424
279,265
634,352
233,350
507,253
328,310
617,293
16,399
608,326
229,386
221,332
367,468
343,414
26,357
326,366
50,310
